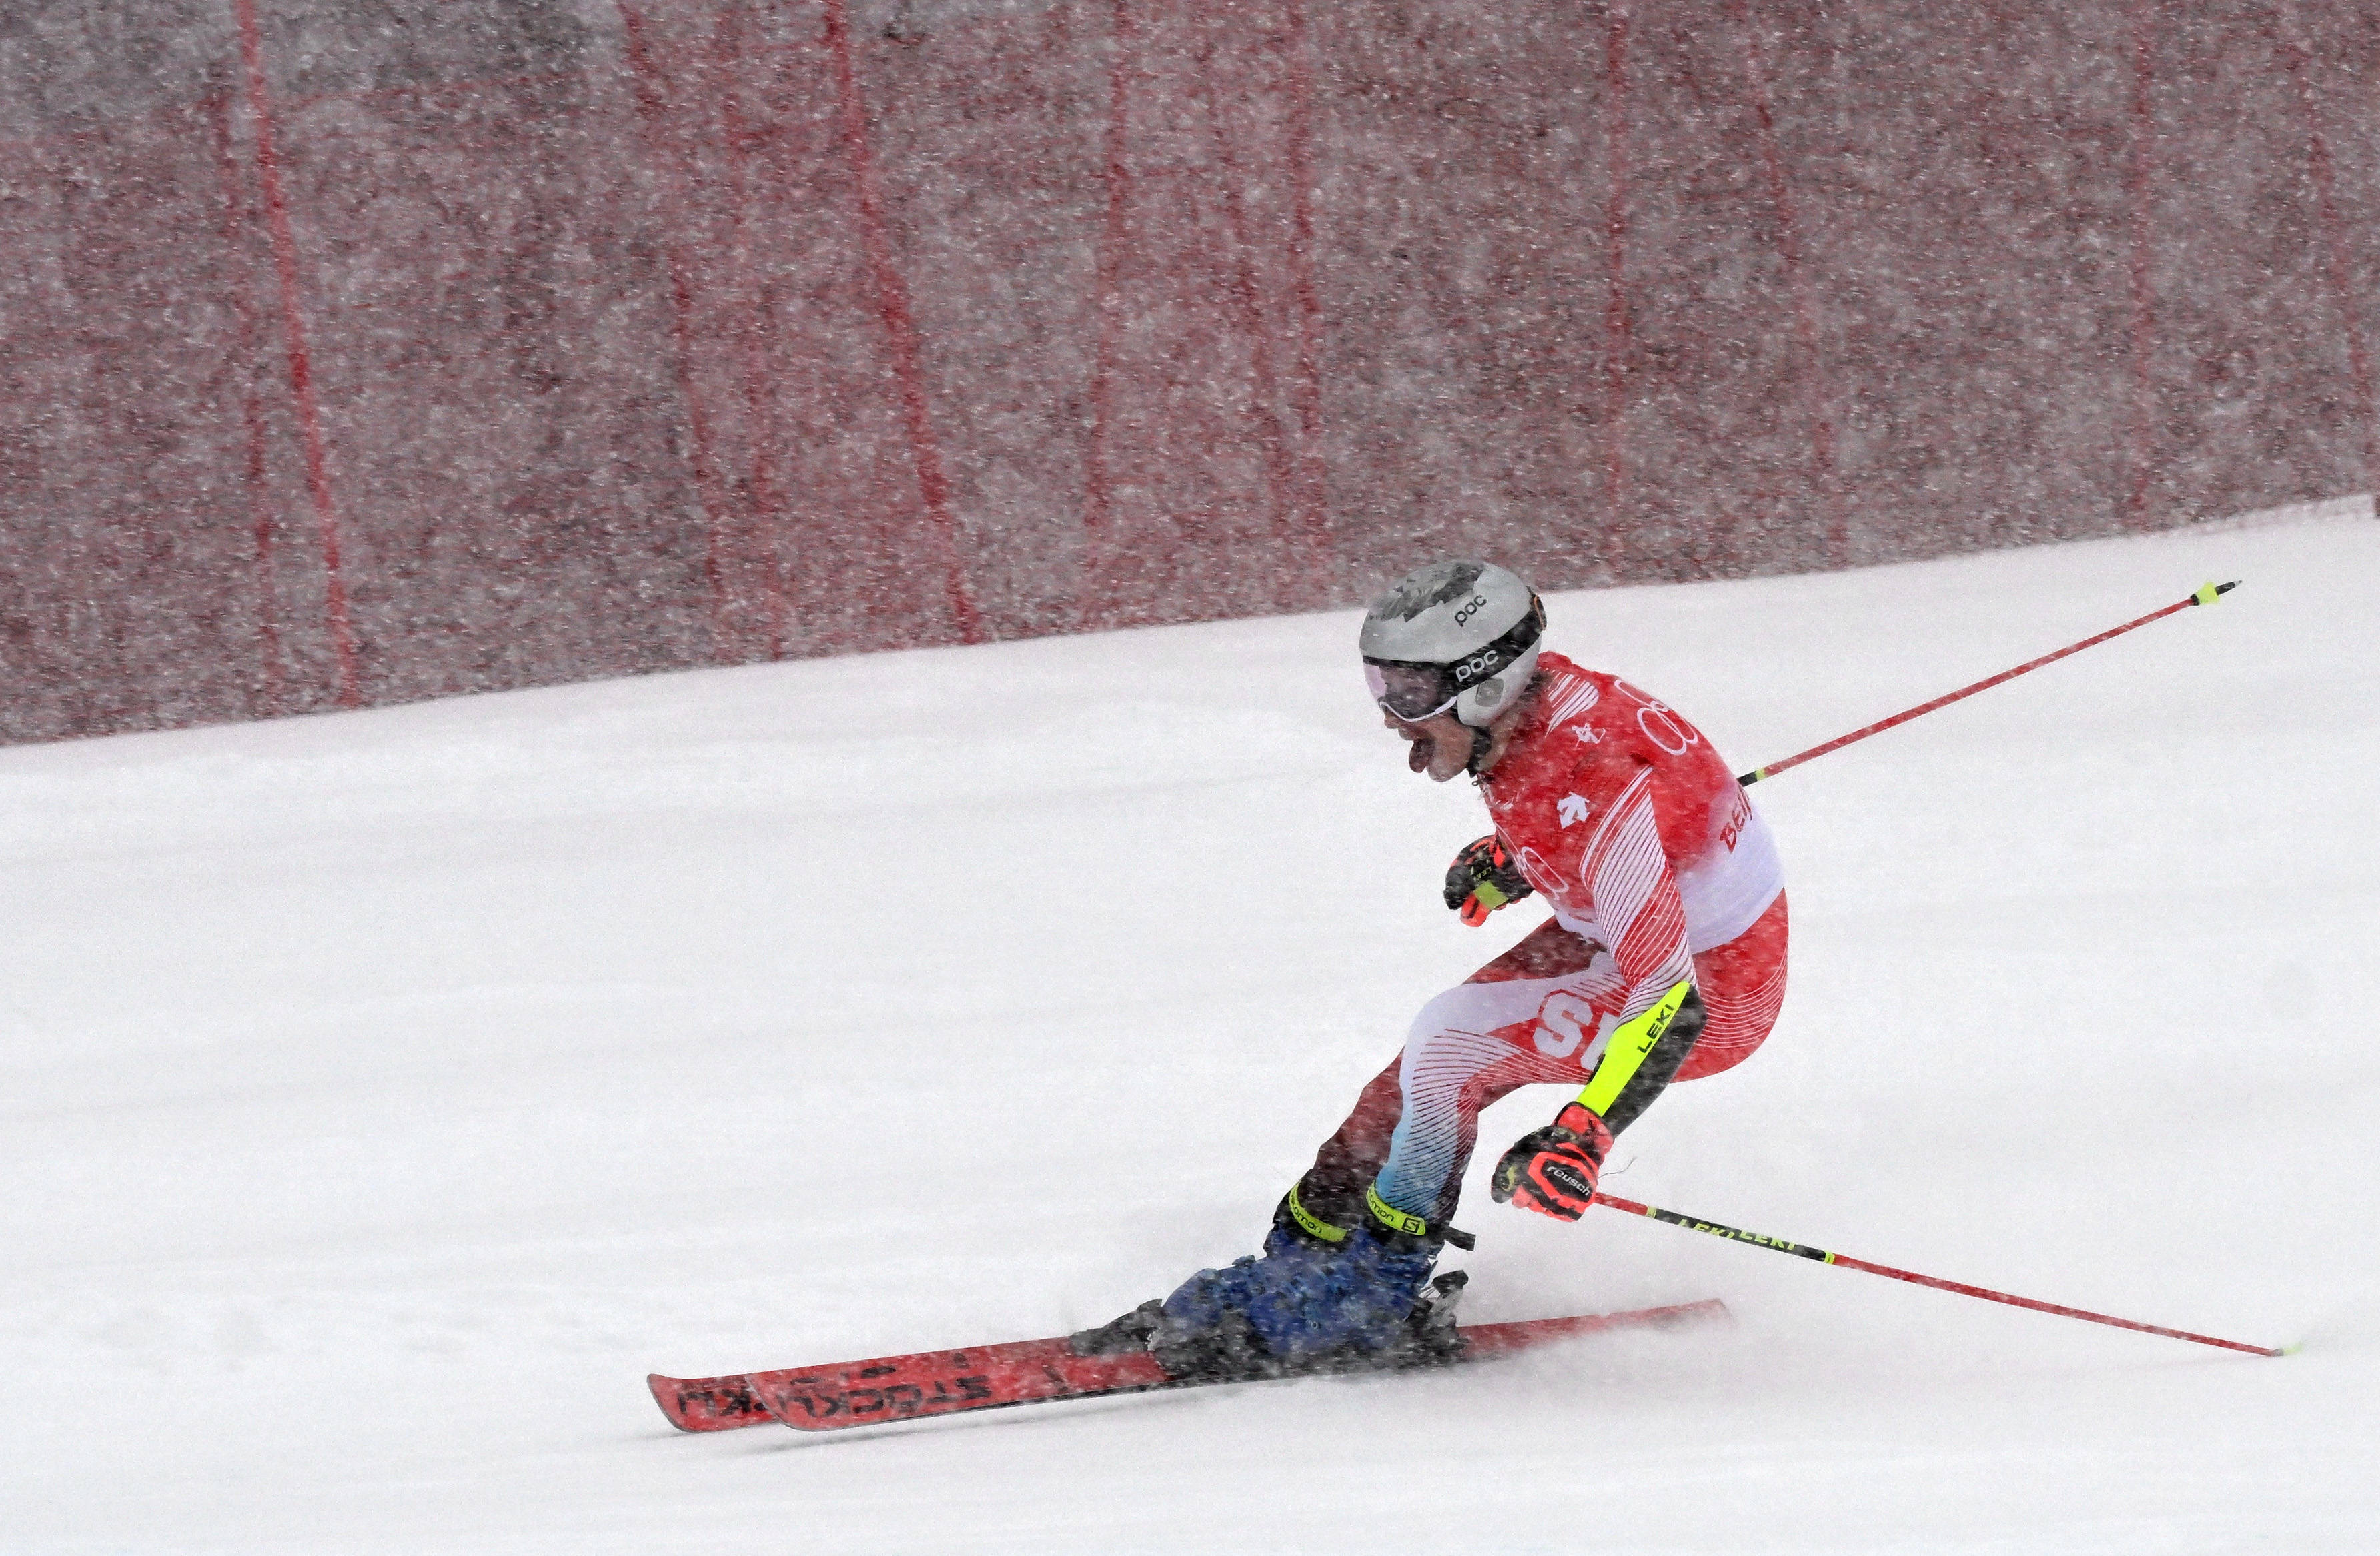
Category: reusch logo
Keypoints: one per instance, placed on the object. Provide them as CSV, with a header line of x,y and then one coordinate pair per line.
x,y
1566,1178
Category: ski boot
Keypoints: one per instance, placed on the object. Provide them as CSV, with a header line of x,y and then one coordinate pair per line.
x,y
1430,1337
1323,1296
1122,1335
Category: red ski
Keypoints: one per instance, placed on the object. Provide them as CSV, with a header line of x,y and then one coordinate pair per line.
x,y
712,1405
1025,1372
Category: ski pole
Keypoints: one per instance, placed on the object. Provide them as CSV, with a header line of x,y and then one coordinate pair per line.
x,y
1823,1257
2205,595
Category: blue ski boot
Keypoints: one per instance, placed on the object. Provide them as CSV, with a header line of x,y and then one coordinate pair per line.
x,y
1322,1295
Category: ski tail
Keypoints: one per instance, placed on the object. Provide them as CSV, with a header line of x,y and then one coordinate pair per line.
x,y
708,1405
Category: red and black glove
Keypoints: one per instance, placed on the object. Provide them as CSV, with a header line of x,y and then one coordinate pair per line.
x,y
1552,1171
1484,878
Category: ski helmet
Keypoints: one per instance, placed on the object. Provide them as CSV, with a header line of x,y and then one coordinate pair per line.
x,y
1454,636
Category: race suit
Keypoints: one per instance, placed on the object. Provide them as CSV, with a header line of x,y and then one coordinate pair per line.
x,y
1660,874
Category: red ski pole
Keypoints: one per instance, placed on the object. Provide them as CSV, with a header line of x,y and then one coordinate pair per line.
x,y
1823,1257
2205,595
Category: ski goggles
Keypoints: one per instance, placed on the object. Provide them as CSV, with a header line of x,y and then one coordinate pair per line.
x,y
1414,691
1411,692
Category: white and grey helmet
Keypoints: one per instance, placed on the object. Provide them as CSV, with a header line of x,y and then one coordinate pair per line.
x,y
1454,636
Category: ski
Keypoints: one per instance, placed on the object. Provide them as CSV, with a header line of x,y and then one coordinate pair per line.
x,y
927,1383
711,1404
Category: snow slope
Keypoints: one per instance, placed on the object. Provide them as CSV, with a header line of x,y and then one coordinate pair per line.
x,y
382,1095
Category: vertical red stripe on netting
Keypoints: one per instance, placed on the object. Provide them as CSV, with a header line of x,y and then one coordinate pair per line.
x,y
1808,377
1099,508
2333,229
893,304
2142,188
259,505
301,368
1264,409
1306,384
768,499
1615,260
652,108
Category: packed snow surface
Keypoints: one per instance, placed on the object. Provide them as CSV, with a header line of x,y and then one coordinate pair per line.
x,y
385,1094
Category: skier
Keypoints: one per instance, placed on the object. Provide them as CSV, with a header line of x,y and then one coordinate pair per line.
x,y
1664,960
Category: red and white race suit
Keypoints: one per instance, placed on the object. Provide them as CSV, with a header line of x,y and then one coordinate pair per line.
x,y
1657,869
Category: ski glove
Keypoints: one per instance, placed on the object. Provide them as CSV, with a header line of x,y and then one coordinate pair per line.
x,y
1553,1170
1484,878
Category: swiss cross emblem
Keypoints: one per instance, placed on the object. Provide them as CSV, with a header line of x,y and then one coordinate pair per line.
x,y
1572,808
